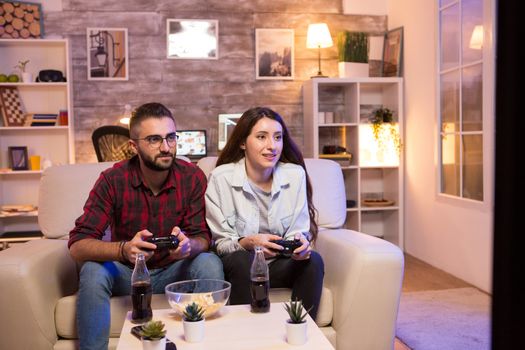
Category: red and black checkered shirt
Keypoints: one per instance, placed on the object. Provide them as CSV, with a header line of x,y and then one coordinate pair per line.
x,y
122,199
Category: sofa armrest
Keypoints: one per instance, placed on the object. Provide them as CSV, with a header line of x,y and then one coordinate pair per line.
x,y
33,277
365,276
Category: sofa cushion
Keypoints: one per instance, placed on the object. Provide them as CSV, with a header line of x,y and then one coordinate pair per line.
x,y
329,189
66,309
66,187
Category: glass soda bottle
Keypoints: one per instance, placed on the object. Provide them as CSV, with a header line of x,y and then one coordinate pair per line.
x,y
260,283
141,292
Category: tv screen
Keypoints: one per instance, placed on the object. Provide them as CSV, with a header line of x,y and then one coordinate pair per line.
x,y
191,143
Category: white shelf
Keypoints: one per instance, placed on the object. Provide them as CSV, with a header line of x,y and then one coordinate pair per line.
x,y
352,100
53,143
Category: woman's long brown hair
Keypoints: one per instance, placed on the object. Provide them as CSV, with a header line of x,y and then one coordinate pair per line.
x,y
232,152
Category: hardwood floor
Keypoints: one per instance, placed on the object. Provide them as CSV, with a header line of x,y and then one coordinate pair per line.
x,y
420,276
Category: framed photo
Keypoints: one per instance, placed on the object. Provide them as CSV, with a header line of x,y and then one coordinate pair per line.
x,y
274,54
107,53
26,20
192,39
393,53
18,158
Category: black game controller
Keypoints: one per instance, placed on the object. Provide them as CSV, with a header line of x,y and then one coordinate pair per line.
x,y
288,247
168,242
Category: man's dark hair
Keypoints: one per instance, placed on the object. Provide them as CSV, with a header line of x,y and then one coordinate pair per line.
x,y
147,110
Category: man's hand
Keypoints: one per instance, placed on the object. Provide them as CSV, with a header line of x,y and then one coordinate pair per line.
x,y
139,245
184,249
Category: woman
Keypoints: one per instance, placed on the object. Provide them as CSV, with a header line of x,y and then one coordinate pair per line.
x,y
259,193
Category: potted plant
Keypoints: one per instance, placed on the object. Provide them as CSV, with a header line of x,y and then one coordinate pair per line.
x,y
193,323
26,76
352,54
296,324
384,127
153,335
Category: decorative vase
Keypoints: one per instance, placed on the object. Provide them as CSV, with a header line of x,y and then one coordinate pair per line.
x,y
353,70
296,333
27,77
193,331
158,344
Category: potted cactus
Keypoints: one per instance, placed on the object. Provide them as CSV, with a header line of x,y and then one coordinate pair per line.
x,y
353,54
153,335
193,323
296,324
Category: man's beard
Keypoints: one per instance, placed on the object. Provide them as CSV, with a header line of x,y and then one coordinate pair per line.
x,y
151,163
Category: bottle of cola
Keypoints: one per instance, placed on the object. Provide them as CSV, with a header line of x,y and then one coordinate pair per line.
x,y
141,292
260,283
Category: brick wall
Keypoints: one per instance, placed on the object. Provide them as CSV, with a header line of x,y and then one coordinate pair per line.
x,y
196,90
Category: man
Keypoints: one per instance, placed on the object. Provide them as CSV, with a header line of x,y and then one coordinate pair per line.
x,y
152,194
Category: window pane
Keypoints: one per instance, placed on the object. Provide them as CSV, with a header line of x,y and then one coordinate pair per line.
x,y
473,167
445,2
450,37
450,101
450,169
472,98
472,19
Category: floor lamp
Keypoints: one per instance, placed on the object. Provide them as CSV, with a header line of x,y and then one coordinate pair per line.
x,y
318,37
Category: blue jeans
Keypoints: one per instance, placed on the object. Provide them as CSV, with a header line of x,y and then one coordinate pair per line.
x,y
99,281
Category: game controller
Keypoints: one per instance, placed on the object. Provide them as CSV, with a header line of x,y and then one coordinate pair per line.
x,y
168,242
288,247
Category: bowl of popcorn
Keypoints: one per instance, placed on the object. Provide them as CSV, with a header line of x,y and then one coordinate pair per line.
x,y
210,294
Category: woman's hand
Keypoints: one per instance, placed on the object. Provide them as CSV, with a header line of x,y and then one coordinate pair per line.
x,y
304,251
264,240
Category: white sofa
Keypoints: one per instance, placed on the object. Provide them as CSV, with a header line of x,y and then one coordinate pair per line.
x,y
359,303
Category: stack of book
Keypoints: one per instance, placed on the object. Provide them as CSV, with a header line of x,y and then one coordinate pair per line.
x,y
41,119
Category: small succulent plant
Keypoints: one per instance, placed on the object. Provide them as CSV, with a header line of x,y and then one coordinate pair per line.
x,y
153,330
21,65
193,312
296,311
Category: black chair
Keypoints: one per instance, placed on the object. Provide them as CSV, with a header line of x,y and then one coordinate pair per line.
x,y
111,143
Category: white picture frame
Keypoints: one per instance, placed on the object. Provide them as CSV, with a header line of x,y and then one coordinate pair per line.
x,y
274,54
107,54
192,39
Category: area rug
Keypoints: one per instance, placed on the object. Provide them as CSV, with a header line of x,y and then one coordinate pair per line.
x,y
452,319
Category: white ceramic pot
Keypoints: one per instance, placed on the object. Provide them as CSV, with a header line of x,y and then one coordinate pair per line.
x,y
353,70
193,331
27,77
154,344
296,333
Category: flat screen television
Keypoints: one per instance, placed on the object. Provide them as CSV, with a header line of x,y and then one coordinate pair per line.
x,y
191,143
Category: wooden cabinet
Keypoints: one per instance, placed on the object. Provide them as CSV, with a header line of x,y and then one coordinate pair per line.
x,y
52,143
336,126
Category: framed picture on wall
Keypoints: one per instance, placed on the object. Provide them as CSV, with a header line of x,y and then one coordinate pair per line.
x,y
18,157
274,54
107,50
393,53
193,39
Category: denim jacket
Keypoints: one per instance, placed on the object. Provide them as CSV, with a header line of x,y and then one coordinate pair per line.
x,y
232,211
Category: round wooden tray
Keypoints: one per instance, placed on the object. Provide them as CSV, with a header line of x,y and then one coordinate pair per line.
x,y
377,203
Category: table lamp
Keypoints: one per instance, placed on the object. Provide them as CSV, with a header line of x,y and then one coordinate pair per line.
x,y
318,37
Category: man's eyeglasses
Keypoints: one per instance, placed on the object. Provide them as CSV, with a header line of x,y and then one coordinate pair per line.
x,y
155,141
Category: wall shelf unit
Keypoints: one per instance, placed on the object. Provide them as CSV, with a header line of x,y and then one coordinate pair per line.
x,y
370,173
54,143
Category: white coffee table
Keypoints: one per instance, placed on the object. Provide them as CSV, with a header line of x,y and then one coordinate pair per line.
x,y
234,327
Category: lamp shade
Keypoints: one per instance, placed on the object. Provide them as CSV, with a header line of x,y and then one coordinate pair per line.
x,y
318,36
476,40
